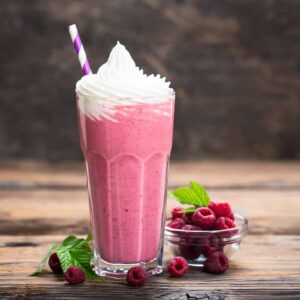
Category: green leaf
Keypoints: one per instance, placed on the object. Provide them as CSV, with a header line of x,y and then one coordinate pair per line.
x,y
43,261
194,195
201,193
72,252
185,195
70,240
189,210
77,254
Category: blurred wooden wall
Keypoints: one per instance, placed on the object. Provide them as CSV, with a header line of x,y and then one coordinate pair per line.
x,y
235,66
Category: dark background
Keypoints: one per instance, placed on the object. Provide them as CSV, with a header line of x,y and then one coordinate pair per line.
x,y
235,66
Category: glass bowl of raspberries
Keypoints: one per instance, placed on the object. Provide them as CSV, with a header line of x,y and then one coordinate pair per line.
x,y
197,233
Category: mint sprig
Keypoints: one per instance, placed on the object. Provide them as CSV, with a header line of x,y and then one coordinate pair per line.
x,y
195,195
71,252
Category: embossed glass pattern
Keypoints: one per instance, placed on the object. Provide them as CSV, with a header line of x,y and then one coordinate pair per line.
x,y
127,156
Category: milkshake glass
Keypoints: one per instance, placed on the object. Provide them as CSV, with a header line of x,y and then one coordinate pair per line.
x,y
126,128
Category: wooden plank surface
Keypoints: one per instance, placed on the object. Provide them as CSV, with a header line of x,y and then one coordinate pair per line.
x,y
262,267
253,174
40,204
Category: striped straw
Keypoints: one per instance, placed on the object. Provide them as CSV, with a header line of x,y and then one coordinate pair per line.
x,y
86,69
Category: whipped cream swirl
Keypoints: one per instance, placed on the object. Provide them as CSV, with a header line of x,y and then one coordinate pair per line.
x,y
119,82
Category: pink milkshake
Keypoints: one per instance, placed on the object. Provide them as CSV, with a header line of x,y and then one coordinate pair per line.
x,y
126,128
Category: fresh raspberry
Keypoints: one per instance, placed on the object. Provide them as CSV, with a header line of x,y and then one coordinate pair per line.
x,y
54,264
137,276
224,223
176,224
178,266
206,250
231,217
214,240
204,218
74,275
176,213
216,263
221,209
189,248
189,229
188,217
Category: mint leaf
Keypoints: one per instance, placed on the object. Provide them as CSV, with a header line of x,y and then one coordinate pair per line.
x,y
185,195
189,210
201,193
72,252
76,252
43,261
70,240
194,195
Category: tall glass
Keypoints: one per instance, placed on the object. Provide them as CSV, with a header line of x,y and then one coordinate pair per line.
x,y
126,151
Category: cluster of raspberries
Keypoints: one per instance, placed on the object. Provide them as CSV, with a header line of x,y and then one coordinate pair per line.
x,y
216,216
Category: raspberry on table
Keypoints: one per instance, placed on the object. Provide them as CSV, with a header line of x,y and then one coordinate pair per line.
x,y
221,209
216,263
224,223
204,217
178,266
137,276
54,264
176,213
74,275
176,224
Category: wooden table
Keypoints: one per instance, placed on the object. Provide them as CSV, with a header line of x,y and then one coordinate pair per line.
x,y
40,204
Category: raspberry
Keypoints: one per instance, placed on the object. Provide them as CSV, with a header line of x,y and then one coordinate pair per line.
x,y
189,248
176,224
231,216
190,227
206,250
136,276
224,223
74,275
204,217
216,263
176,213
54,264
190,232
178,266
221,209
188,218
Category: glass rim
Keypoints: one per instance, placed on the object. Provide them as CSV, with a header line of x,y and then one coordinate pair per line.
x,y
241,227
87,97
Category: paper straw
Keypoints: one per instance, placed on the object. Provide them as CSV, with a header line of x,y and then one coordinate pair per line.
x,y
85,66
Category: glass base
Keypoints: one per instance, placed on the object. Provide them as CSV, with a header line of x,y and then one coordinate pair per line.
x,y
119,270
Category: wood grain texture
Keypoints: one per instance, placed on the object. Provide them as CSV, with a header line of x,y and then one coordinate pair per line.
x,y
49,211
261,267
220,174
44,202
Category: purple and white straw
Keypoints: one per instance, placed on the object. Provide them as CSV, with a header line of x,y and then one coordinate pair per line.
x,y
86,69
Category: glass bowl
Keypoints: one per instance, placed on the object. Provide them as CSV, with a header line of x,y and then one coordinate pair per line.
x,y
196,245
